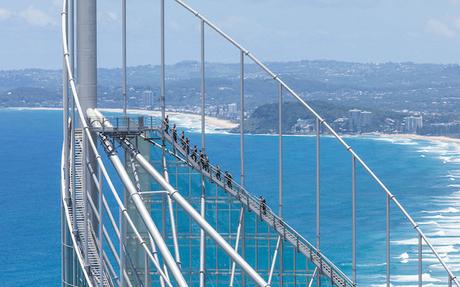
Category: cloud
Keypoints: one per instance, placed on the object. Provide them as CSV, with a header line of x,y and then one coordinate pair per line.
x,y
5,14
37,17
438,28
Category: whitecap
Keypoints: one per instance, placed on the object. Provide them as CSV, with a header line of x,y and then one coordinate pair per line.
x,y
404,257
426,277
446,210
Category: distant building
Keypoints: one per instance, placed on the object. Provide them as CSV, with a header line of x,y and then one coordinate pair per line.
x,y
304,126
233,108
412,124
365,122
147,99
360,121
355,119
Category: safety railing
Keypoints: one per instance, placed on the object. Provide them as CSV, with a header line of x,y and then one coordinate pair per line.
x,y
90,145
123,124
320,124
283,87
254,204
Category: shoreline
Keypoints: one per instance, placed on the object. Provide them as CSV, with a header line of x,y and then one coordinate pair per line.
x,y
223,125
211,122
443,139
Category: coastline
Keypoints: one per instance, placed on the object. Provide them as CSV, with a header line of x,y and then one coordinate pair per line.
x,y
442,139
215,124
211,122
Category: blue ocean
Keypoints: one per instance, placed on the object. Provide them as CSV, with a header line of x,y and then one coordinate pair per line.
x,y
424,176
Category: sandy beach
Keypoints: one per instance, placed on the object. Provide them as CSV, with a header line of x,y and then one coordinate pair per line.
x,y
183,119
211,122
421,137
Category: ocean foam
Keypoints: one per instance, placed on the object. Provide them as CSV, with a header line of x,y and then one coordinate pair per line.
x,y
404,257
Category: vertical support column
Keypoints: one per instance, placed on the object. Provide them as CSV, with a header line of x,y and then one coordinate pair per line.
x,y
64,231
242,118
203,146
280,176
280,152
203,91
420,260
65,126
122,248
353,217
86,53
242,174
101,226
163,102
388,273
71,22
318,194
162,61
123,56
237,241
123,230
64,249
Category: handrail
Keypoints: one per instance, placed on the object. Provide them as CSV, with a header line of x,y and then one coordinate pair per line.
x,y
90,139
276,78
68,222
323,122
242,192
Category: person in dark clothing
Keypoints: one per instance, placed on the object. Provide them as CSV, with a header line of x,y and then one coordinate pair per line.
x,y
187,145
218,173
202,159
228,178
166,124
174,133
182,138
195,153
206,163
262,205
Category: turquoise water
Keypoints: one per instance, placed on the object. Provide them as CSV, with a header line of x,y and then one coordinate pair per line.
x,y
423,175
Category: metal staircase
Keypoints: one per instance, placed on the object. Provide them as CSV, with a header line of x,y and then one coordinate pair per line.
x,y
77,191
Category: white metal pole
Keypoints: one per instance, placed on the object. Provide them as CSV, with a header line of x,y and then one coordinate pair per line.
x,y
172,220
420,261
242,119
353,217
327,126
388,272
145,214
275,255
237,242
100,231
242,173
203,146
123,55
122,248
173,193
280,175
318,194
71,43
162,61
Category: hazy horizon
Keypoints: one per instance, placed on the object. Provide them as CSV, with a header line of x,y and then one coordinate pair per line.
x,y
359,31
247,63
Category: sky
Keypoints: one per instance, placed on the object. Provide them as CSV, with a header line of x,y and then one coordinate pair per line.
x,y
426,31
